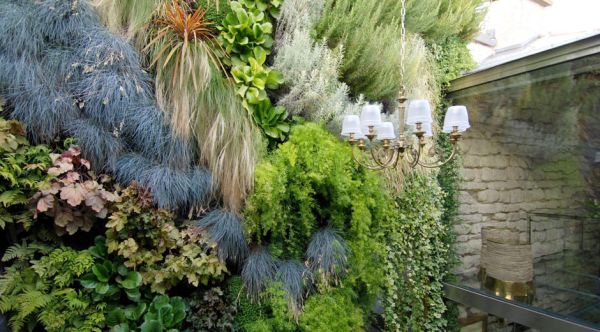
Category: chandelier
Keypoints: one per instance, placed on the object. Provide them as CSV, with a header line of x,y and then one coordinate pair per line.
x,y
384,150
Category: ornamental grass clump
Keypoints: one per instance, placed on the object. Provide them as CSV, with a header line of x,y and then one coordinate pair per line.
x,y
183,58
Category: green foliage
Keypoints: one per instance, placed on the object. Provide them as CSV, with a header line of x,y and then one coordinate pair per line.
x,y
246,35
416,262
369,38
75,196
164,314
22,173
452,58
308,183
211,310
149,242
42,291
108,279
216,11
366,38
440,19
333,310
274,315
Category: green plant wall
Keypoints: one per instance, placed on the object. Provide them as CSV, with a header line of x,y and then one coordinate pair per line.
x,y
156,203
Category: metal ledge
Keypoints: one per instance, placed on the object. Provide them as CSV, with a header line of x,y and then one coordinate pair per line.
x,y
564,53
515,312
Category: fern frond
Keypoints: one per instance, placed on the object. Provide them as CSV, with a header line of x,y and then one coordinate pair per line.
x,y
23,251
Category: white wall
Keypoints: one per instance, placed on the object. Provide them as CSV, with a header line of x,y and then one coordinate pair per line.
x,y
536,27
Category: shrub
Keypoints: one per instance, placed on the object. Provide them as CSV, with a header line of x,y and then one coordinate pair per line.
x,y
332,310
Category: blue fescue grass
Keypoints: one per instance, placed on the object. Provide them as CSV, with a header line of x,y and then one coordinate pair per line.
x,y
144,128
293,276
226,230
43,108
131,167
179,153
171,188
98,144
18,38
106,94
98,47
58,66
14,73
258,272
327,256
62,21
202,191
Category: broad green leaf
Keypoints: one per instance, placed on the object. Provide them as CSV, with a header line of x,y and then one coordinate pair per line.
x,y
151,326
101,272
132,280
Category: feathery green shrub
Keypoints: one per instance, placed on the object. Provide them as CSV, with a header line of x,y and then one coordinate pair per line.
x,y
333,310
310,183
22,173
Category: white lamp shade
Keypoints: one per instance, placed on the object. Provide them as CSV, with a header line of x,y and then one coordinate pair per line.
x,y
350,125
385,131
418,111
370,116
456,116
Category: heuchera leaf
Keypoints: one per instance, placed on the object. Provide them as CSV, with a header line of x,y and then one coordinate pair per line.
x,y
74,194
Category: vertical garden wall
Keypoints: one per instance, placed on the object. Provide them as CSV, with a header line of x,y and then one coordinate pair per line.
x,y
173,165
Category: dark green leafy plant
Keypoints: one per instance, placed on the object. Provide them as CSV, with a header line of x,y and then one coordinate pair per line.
x,y
107,278
164,314
22,173
211,310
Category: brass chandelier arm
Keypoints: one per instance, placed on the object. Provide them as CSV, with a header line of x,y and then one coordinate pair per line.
x,y
389,161
439,163
413,155
378,166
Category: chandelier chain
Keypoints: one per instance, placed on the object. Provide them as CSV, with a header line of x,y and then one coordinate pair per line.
x,y
402,38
